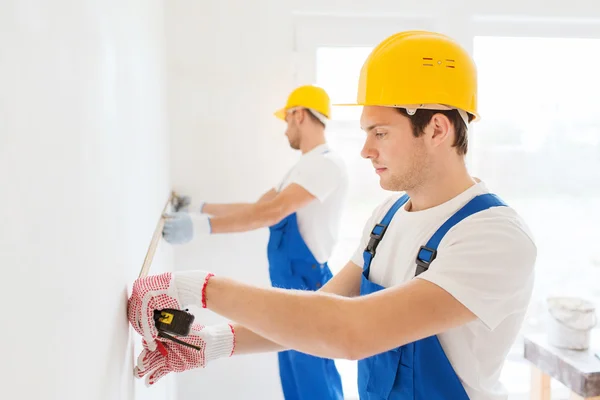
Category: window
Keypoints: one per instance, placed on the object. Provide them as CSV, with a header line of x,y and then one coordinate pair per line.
x,y
538,147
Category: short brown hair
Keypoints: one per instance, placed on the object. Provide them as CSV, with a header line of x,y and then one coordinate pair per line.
x,y
314,117
422,118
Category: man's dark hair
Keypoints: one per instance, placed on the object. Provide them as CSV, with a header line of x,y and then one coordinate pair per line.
x,y
314,117
422,118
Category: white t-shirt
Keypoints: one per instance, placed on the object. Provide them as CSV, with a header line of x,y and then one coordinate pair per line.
x,y
323,174
486,262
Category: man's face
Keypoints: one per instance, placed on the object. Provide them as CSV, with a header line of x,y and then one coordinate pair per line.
x,y
400,159
293,130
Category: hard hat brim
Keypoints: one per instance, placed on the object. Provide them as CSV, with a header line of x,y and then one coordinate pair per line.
x,y
476,116
281,113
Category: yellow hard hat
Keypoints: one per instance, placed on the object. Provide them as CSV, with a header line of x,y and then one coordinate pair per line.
x,y
307,96
419,69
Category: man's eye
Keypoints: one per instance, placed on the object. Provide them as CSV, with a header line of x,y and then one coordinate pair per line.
x,y
379,134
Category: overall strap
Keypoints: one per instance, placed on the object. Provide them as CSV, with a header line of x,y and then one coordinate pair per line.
x,y
479,203
378,232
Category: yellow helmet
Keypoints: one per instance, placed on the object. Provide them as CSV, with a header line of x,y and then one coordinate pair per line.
x,y
419,69
307,96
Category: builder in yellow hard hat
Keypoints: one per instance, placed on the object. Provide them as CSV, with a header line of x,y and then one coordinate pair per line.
x,y
436,292
303,213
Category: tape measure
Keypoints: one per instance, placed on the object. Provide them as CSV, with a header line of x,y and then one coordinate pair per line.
x,y
173,321
170,321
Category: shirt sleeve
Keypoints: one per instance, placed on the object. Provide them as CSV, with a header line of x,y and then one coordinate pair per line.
x,y
319,177
487,263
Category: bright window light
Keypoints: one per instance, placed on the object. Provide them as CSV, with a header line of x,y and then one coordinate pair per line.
x,y
538,147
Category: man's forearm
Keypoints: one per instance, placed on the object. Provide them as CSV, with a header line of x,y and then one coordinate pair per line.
x,y
218,210
254,216
248,342
311,322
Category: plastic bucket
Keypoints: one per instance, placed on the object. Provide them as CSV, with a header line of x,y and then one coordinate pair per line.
x,y
570,322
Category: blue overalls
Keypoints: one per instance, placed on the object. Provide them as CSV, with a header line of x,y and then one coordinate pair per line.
x,y
293,266
418,370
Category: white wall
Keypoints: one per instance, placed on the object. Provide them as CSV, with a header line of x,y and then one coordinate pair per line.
x,y
84,175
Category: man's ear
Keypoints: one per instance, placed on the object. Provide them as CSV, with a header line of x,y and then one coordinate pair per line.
x,y
299,116
440,128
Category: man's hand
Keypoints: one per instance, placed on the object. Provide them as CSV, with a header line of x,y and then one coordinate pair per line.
x,y
184,203
181,203
182,227
157,292
213,342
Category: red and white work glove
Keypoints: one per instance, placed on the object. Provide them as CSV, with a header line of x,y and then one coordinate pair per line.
x,y
157,292
214,342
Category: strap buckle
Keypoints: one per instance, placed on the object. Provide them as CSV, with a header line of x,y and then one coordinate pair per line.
x,y
375,239
423,265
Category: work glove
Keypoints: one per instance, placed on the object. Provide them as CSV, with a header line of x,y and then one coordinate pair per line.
x,y
182,227
157,292
214,342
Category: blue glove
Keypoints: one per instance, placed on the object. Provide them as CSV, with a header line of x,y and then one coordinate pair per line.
x,y
182,227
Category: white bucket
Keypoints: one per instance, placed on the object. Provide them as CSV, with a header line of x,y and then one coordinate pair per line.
x,y
570,321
